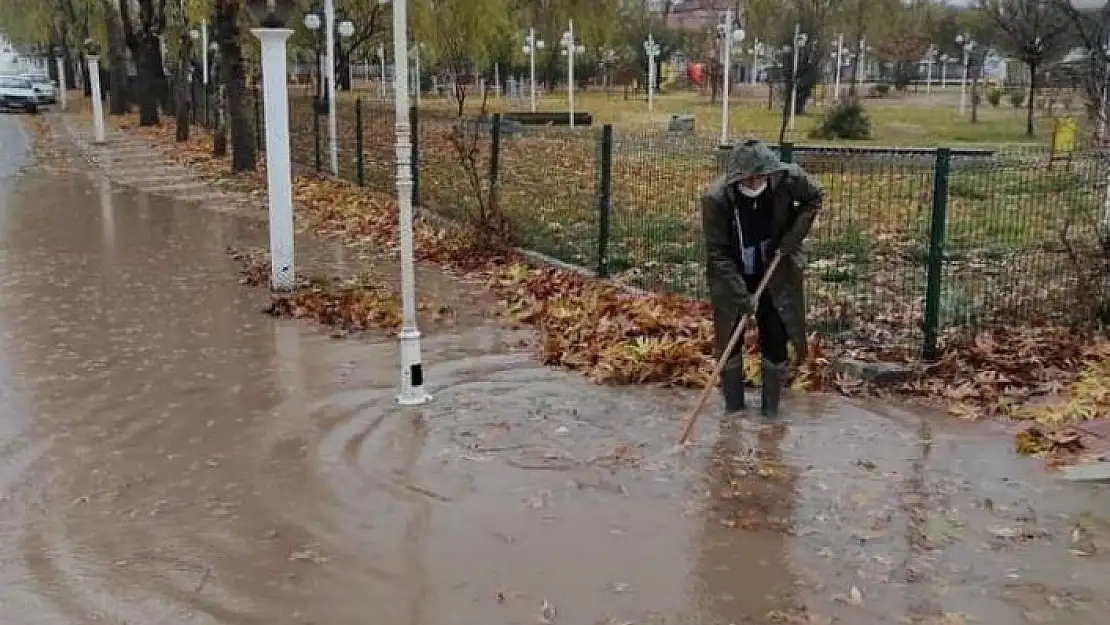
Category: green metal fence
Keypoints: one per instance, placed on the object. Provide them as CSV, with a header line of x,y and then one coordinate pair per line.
x,y
910,244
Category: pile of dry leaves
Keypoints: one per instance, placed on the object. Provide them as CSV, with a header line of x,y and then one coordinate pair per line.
x,y
615,336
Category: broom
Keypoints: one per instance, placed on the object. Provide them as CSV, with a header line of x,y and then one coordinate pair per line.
x,y
691,417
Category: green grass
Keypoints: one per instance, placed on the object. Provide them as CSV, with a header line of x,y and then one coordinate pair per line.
x,y
897,120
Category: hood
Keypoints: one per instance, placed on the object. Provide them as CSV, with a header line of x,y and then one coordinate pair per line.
x,y
749,158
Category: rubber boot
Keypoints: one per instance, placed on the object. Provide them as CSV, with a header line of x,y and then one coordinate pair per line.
x,y
774,378
732,386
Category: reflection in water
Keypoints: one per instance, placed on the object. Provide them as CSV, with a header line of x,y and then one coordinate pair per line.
x,y
107,215
742,557
413,434
917,506
287,362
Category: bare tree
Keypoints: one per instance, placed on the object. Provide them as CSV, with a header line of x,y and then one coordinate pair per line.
x,y
143,39
1091,28
233,75
1035,31
810,16
370,19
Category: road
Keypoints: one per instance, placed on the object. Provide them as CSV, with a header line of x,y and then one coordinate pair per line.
x,y
170,455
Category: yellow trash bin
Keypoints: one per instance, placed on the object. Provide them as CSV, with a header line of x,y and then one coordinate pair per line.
x,y
1063,137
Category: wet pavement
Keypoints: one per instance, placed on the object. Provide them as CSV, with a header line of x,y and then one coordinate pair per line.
x,y
170,455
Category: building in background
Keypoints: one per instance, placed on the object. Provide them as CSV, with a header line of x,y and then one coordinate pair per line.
x,y
14,60
693,15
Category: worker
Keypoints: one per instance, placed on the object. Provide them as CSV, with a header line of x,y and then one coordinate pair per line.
x,y
758,208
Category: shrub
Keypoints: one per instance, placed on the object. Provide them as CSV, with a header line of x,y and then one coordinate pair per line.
x,y
1017,98
994,96
879,91
847,120
902,79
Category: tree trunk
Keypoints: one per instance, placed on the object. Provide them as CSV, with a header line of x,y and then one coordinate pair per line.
x,y
1029,106
974,97
182,88
67,65
86,80
117,60
233,77
219,133
343,71
148,69
785,123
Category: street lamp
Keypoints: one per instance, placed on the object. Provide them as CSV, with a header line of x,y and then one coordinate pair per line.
x,y
346,30
608,60
861,64
800,40
313,22
966,46
570,47
651,48
92,52
326,68
728,34
944,58
841,61
412,371
756,51
194,34
381,61
415,79
200,35
272,16
531,45
930,59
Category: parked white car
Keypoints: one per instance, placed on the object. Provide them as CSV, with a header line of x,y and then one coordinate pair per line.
x,y
18,93
44,87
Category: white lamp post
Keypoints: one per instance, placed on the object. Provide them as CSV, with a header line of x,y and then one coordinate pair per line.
x,y
204,51
930,59
327,70
966,45
381,59
944,70
531,44
412,371
839,64
800,39
570,47
728,34
93,52
756,51
415,52
272,15
651,48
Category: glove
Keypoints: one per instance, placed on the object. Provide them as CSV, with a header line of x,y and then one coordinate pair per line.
x,y
749,303
789,246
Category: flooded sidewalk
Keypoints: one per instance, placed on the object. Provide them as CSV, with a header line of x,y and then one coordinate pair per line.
x,y
171,455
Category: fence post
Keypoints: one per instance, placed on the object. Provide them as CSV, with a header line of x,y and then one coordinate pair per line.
x,y
936,253
360,162
787,152
316,135
605,201
414,131
494,158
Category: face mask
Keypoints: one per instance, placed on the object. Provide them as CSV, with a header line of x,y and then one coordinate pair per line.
x,y
753,192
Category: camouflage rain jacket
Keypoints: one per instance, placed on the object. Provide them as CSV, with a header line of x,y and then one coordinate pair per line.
x,y
796,198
